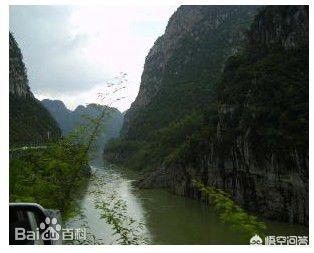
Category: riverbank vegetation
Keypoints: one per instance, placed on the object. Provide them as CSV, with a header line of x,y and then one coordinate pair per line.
x,y
231,213
114,211
164,145
54,175
253,125
50,176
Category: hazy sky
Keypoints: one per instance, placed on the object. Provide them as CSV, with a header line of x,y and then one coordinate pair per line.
x,y
71,51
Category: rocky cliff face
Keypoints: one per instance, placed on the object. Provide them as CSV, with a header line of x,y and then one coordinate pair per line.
x,y
259,151
273,24
185,62
265,163
227,109
17,71
30,123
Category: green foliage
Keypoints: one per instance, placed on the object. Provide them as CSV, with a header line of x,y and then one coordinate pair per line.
x,y
165,145
30,122
114,211
232,214
183,114
53,175
264,90
49,176
194,64
262,96
127,153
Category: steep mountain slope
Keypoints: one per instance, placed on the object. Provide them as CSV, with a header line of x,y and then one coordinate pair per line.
x,y
60,113
68,120
249,137
184,64
178,80
30,122
263,116
259,152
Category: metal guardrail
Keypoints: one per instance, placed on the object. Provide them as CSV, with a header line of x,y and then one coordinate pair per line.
x,y
24,148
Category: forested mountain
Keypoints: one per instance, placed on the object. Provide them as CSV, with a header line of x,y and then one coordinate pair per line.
x,y
69,120
224,100
184,64
30,122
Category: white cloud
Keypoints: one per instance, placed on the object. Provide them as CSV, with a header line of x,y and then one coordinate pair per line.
x,y
69,51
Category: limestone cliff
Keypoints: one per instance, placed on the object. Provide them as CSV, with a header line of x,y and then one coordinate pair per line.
x,y
184,63
227,108
30,123
17,71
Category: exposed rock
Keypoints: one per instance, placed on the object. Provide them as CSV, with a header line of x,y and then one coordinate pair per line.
x,y
240,153
219,30
159,178
272,25
17,71
30,122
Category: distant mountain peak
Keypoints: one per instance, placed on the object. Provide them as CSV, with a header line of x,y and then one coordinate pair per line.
x,y
68,120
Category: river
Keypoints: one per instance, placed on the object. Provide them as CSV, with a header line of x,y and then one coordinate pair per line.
x,y
167,218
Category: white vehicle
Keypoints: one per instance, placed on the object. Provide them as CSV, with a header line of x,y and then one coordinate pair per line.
x,y
31,224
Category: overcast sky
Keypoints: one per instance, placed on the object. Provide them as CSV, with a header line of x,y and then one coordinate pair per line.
x,y
71,51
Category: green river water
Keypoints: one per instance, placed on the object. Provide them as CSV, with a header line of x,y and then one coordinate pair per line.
x,y
167,218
